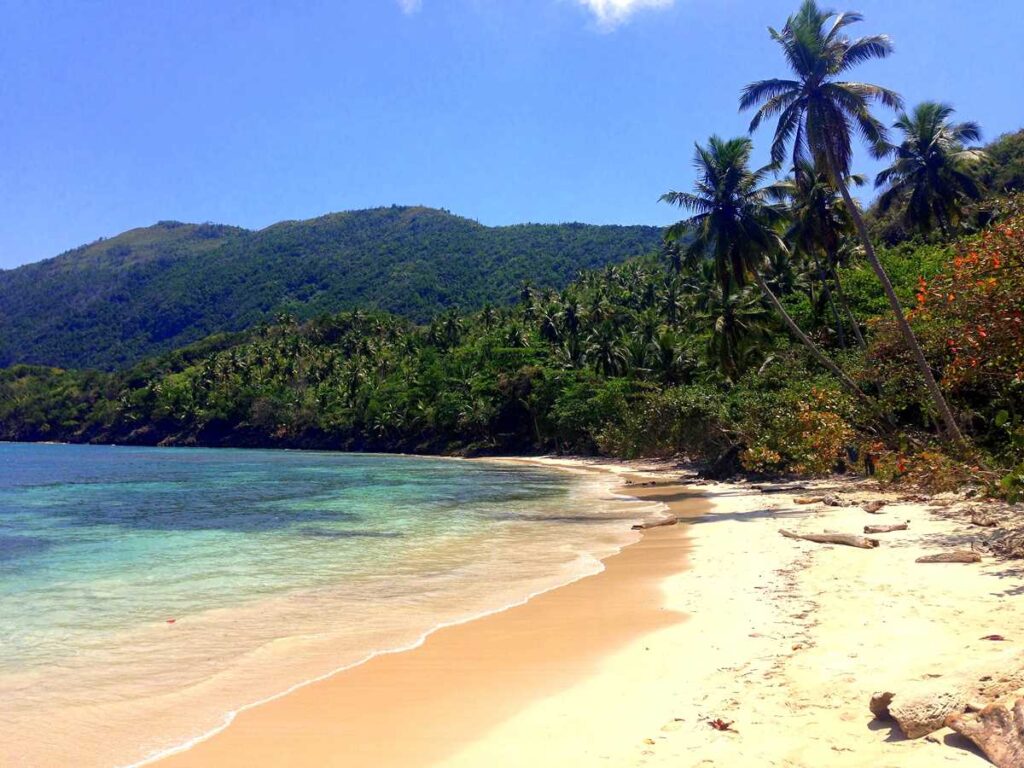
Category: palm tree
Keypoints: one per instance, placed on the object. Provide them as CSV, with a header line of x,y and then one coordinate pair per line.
x,y
732,226
739,325
669,356
605,351
816,114
672,252
818,226
930,175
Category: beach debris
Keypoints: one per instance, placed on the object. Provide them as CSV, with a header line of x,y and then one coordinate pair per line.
x,y
998,638
808,499
927,704
997,730
832,500
657,523
847,539
885,528
984,520
171,621
956,556
721,725
922,712
873,507
727,465
789,488
879,704
915,498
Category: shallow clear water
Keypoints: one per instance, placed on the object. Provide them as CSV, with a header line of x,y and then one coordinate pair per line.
x,y
146,594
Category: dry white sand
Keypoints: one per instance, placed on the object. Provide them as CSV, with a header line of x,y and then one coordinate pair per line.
x,y
788,640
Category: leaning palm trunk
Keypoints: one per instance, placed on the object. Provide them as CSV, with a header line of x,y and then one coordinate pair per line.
x,y
849,312
823,277
952,430
818,355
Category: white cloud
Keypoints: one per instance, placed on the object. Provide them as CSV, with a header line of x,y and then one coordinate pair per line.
x,y
410,7
611,13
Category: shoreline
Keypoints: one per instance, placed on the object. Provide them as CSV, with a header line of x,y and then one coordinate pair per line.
x,y
191,714
239,742
717,618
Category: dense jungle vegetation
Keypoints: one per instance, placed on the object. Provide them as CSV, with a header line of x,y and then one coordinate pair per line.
x,y
778,327
150,290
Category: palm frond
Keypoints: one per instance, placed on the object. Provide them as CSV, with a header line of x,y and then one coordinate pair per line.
x,y
864,49
765,90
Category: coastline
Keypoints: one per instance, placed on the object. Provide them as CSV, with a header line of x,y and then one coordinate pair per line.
x,y
420,705
717,618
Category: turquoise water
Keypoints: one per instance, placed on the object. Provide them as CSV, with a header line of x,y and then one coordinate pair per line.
x,y
146,594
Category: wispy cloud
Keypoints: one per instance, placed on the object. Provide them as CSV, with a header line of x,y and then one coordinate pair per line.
x,y
611,13
608,14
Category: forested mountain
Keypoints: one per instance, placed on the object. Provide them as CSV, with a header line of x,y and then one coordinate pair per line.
x,y
649,357
153,289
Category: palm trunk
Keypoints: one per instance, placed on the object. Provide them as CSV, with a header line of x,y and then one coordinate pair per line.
x,y
818,355
952,430
849,312
823,276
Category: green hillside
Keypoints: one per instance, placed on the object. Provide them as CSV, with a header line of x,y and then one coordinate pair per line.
x,y
153,289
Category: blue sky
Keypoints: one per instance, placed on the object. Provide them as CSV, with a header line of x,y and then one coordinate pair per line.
x,y
116,115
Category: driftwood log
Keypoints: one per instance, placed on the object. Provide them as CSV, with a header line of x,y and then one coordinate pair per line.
x,y
780,488
923,710
997,730
831,500
874,507
847,539
808,499
984,520
659,523
920,707
956,556
885,528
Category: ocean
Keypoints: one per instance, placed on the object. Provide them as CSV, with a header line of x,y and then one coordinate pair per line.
x,y
149,594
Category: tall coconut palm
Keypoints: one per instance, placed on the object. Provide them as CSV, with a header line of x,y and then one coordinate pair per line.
x,y
817,111
739,327
930,176
818,225
732,226
605,351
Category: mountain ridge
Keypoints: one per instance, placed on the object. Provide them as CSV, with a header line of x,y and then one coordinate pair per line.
x,y
149,289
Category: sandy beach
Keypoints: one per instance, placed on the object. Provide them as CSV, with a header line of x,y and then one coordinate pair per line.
x,y
716,618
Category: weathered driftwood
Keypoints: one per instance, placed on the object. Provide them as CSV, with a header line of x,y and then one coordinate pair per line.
x,y
831,500
956,556
659,523
790,488
873,507
984,520
885,528
848,539
920,707
997,730
808,499
921,712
